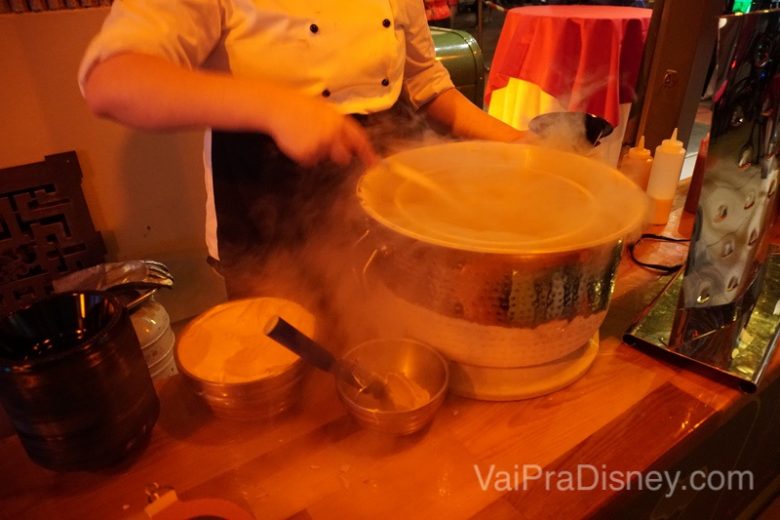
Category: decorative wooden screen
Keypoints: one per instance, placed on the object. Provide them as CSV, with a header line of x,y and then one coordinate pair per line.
x,y
45,228
24,6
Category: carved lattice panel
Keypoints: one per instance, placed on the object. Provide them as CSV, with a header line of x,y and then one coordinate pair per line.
x,y
37,6
45,228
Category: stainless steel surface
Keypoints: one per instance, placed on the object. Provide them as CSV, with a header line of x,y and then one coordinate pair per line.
x,y
737,200
721,312
133,282
421,364
496,310
504,290
742,361
131,274
253,400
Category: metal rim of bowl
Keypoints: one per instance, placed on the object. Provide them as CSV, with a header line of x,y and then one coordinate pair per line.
x,y
87,345
295,367
259,399
389,224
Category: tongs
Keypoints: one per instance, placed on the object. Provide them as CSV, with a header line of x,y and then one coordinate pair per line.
x,y
133,281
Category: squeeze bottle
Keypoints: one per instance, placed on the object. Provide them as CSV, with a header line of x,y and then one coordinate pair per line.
x,y
636,164
664,177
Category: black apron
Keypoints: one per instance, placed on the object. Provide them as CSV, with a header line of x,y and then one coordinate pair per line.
x,y
269,208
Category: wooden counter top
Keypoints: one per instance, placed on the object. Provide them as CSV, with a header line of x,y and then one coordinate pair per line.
x,y
629,412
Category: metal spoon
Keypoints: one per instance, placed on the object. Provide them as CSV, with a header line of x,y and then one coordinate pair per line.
x,y
291,338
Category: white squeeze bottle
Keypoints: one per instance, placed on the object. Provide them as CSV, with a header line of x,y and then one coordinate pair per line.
x,y
636,164
664,177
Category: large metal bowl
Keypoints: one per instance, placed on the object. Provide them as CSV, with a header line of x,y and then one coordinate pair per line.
x,y
466,267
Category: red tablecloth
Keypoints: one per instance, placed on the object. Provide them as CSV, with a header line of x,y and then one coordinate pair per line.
x,y
588,57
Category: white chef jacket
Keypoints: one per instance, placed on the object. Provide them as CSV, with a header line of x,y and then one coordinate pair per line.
x,y
359,54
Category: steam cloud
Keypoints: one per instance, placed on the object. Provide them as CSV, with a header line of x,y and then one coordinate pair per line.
x,y
323,271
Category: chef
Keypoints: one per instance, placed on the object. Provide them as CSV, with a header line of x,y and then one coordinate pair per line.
x,y
288,89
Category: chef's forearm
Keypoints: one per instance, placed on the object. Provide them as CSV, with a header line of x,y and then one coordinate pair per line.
x,y
462,118
151,93
148,92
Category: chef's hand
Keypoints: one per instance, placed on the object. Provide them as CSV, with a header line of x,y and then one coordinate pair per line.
x,y
311,131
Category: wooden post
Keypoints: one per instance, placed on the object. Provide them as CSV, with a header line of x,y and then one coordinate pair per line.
x,y
679,54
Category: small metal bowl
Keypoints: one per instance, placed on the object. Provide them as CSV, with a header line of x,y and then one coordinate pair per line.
x,y
421,364
261,397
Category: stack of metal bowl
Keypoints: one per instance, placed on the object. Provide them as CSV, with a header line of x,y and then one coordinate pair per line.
x,y
153,328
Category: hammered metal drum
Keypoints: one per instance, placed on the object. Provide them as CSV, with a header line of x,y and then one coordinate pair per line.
x,y
502,256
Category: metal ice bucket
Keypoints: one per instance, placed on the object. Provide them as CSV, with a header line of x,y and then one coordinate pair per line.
x,y
485,293
498,310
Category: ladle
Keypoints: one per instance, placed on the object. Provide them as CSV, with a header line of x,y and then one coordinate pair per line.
x,y
291,338
423,181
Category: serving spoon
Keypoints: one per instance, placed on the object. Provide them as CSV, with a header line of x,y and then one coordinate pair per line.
x,y
293,339
421,180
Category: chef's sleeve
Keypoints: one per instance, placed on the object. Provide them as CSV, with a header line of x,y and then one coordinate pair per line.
x,y
181,31
424,76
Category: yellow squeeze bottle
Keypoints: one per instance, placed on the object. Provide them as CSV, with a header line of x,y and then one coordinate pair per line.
x,y
664,177
636,164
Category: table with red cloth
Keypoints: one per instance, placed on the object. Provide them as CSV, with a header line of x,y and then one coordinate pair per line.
x,y
439,9
579,58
